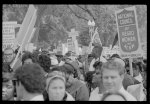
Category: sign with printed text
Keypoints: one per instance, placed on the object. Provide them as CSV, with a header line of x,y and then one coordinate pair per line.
x,y
128,33
8,34
70,45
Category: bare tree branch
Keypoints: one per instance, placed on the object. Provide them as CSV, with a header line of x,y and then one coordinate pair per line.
x,y
88,11
76,14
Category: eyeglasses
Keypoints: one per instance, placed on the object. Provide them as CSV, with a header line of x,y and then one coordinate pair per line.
x,y
9,54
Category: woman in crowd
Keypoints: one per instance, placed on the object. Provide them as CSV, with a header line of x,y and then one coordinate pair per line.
x,y
28,58
55,87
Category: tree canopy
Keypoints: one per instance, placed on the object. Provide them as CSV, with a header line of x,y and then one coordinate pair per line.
x,y
55,21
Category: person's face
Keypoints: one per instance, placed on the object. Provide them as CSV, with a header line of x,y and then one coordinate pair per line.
x,y
68,80
112,81
8,55
56,90
28,61
8,90
114,98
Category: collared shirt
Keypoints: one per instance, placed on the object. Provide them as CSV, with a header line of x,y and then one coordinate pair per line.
x,y
37,98
96,96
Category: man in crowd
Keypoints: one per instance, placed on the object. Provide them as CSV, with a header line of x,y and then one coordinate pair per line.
x,y
30,82
9,55
112,76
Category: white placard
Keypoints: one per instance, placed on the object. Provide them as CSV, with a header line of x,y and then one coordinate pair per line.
x,y
9,34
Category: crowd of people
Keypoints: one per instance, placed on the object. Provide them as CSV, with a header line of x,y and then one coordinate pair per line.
x,y
46,76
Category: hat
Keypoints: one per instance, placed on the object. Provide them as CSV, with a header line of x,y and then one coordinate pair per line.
x,y
52,75
120,61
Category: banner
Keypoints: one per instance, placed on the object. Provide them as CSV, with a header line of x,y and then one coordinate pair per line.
x,y
8,34
128,33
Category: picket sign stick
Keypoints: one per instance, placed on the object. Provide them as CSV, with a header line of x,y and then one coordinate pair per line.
x,y
25,37
131,68
25,24
33,31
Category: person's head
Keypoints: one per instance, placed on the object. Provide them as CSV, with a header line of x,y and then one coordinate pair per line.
x,y
113,96
69,73
97,65
136,69
55,85
115,56
8,85
28,58
45,62
112,75
9,55
30,79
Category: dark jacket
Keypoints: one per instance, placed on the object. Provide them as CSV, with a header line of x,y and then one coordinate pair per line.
x,y
78,90
129,80
76,69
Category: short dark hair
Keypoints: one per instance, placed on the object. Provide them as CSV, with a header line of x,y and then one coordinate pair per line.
x,y
32,77
28,55
45,62
97,63
105,95
115,56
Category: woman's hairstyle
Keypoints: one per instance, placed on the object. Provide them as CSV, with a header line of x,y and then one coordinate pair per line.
x,y
28,55
105,95
53,76
45,62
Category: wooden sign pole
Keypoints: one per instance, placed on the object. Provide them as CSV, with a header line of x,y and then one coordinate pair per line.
x,y
131,68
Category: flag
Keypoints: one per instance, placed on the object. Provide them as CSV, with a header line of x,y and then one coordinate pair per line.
x,y
115,41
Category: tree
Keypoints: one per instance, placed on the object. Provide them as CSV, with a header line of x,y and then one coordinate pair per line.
x,y
54,21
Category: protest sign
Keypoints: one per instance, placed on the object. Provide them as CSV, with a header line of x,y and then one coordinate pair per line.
x,y
73,34
128,33
70,45
9,34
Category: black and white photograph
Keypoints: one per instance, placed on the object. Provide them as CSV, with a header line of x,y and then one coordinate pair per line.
x,y
74,52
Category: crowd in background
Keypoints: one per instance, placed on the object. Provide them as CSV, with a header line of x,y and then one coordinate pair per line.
x,y
46,76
